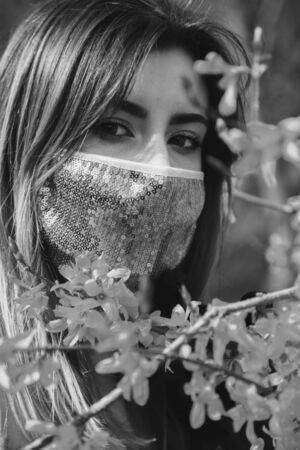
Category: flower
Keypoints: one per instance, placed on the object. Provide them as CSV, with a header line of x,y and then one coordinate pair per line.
x,y
204,398
215,64
34,301
261,144
256,147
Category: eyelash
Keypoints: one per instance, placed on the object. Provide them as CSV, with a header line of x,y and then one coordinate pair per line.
x,y
107,135
196,143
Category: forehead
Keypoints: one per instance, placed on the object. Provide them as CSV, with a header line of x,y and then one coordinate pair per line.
x,y
167,79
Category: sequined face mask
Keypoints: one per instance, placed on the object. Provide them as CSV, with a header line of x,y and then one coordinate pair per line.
x,y
140,216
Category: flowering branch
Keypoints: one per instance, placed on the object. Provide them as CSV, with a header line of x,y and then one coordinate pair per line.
x,y
169,353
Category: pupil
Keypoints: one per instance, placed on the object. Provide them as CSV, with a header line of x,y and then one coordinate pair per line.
x,y
181,140
110,128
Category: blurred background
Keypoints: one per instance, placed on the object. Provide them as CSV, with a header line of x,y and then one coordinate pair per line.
x,y
242,266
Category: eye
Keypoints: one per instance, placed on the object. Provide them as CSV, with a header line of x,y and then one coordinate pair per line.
x,y
185,142
112,128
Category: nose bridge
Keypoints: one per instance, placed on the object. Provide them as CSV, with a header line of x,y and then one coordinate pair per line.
x,y
157,151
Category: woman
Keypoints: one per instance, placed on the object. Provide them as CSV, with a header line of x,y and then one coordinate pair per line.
x,y
105,90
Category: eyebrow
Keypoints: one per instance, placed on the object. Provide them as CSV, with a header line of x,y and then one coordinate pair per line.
x,y
177,119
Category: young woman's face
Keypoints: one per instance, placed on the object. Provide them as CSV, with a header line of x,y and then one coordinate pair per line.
x,y
163,120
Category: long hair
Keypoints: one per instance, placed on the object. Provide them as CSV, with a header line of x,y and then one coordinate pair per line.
x,y
65,66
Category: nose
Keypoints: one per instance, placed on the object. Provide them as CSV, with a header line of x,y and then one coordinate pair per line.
x,y
157,153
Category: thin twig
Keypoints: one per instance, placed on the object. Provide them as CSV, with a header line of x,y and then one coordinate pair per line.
x,y
39,443
258,201
212,367
55,348
259,300
261,202
99,406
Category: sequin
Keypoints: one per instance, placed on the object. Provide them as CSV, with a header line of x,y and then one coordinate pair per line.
x,y
144,221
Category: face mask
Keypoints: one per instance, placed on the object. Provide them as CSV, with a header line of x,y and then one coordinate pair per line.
x,y
140,216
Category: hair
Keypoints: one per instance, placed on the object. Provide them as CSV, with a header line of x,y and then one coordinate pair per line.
x,y
66,64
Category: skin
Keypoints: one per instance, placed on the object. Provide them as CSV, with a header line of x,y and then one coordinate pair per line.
x,y
163,120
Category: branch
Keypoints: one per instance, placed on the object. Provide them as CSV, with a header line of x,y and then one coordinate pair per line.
x,y
39,443
99,406
261,202
213,368
258,201
55,348
259,300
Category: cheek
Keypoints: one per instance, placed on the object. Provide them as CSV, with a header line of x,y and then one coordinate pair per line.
x,y
190,161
